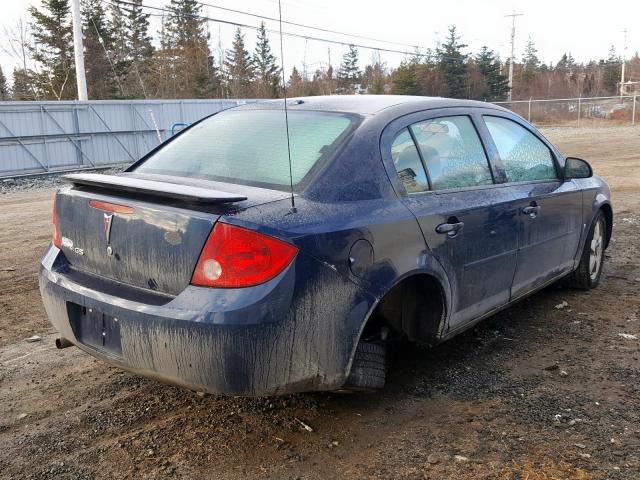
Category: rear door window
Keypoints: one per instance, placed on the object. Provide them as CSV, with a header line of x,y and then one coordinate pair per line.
x,y
452,152
407,163
524,156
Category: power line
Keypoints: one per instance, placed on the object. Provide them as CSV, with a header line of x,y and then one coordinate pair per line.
x,y
415,53
287,34
310,27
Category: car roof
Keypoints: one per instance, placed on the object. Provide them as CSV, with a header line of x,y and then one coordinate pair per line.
x,y
365,104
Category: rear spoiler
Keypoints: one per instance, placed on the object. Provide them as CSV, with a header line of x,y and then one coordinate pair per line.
x,y
166,190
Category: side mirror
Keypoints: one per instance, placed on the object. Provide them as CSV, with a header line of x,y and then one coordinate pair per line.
x,y
576,168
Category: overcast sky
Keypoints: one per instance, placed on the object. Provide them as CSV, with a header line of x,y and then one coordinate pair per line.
x,y
581,27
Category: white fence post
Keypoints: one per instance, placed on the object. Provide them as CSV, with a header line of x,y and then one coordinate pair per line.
x,y
579,109
633,113
529,117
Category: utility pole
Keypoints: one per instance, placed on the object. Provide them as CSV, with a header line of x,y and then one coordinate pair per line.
x,y
511,59
624,61
78,51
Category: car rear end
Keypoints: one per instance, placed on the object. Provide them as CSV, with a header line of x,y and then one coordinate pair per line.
x,y
157,271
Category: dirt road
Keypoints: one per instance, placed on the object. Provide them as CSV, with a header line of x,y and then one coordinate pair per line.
x,y
533,393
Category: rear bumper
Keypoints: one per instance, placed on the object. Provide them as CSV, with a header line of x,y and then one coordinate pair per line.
x,y
287,335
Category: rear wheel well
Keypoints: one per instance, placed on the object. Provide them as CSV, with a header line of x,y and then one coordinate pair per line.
x,y
608,216
413,308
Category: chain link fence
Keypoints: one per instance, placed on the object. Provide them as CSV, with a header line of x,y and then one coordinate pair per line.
x,y
579,112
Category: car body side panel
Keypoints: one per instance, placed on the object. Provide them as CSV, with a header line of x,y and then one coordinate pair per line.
x,y
595,195
480,261
548,241
328,232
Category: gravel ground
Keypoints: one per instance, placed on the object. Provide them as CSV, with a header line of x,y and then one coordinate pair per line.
x,y
535,392
44,182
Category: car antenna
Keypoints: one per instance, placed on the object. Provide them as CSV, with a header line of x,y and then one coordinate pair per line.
x,y
286,112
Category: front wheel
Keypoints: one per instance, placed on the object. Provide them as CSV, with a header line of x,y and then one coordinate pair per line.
x,y
588,273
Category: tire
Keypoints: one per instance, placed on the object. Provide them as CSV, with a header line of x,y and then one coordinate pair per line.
x,y
368,371
589,271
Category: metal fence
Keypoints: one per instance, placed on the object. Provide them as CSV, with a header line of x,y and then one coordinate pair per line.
x,y
40,137
577,112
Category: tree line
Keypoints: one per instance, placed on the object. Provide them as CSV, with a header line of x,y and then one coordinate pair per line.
x,y
122,62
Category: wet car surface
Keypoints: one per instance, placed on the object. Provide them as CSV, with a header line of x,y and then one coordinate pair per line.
x,y
409,218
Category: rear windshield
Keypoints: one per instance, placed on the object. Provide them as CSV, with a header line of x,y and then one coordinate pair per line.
x,y
250,147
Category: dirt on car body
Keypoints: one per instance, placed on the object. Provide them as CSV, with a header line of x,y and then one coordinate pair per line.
x,y
547,389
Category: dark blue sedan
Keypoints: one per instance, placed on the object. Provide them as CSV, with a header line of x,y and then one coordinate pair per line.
x,y
217,264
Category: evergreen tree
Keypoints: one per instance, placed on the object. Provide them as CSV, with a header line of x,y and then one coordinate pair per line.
x,y
137,38
267,72
119,31
373,79
184,25
4,89
188,63
405,79
612,72
295,86
349,74
98,43
138,49
566,62
239,68
52,50
530,62
23,85
453,65
489,66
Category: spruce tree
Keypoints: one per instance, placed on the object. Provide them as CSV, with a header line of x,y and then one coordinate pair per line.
x,y
405,78
139,50
530,58
295,85
349,74
52,50
452,63
23,85
239,68
98,44
566,62
138,39
188,63
119,31
4,89
530,62
489,66
266,70
612,72
373,79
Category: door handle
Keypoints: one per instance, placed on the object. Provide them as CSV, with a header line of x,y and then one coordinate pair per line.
x,y
450,228
532,210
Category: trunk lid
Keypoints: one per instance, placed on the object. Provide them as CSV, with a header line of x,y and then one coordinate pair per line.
x,y
139,238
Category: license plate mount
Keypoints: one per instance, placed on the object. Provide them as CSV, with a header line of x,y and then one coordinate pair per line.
x,y
95,329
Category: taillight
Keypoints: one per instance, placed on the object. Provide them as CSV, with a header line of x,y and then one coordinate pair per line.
x,y
57,241
236,257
